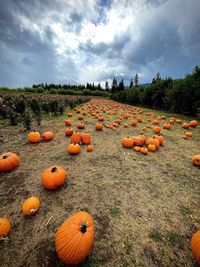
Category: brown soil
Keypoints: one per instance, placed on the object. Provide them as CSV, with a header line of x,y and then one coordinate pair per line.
x,y
145,208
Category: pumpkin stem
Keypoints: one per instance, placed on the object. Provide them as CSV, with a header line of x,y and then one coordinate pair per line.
x,y
5,157
54,169
83,227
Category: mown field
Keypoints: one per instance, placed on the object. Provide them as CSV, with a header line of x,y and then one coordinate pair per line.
x,y
145,208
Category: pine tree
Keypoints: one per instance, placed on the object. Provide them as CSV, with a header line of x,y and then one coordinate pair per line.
x,y
114,86
136,80
121,85
131,83
107,87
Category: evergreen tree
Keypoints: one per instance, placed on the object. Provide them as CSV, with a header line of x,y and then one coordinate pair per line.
x,y
136,80
121,85
107,87
131,83
114,86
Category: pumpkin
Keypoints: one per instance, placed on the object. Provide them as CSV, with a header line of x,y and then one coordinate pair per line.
x,y
137,148
80,126
178,121
185,125
160,139
139,119
134,123
98,126
69,115
100,118
188,134
166,126
89,148
151,147
80,117
125,125
157,130
196,160
74,149
30,206
144,150
34,137
75,238
138,140
127,142
53,177
86,138
144,129
68,122
195,244
193,123
184,137
156,122
4,227
75,138
153,141
47,136
8,162
69,131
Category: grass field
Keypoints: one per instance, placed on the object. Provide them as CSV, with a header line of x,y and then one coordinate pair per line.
x,y
145,208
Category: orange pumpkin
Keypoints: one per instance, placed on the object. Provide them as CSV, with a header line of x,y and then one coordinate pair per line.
x,y
196,160
134,123
47,136
179,121
157,130
80,117
54,177
75,238
34,137
138,140
80,126
160,139
127,142
188,134
125,125
69,115
139,119
74,149
86,138
90,148
30,206
166,126
137,148
75,138
98,126
193,123
67,122
195,244
151,147
156,122
8,162
69,132
185,125
153,141
4,227
144,150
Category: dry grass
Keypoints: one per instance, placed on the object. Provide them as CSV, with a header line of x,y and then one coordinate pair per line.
x,y
145,208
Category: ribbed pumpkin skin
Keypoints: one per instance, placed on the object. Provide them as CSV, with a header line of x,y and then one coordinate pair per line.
x,y
196,160
4,227
8,162
34,137
47,136
30,206
195,243
73,246
75,138
54,177
86,138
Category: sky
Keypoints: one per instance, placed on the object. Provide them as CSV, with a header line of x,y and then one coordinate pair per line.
x,y
80,41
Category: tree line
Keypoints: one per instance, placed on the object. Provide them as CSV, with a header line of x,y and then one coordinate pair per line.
x,y
179,95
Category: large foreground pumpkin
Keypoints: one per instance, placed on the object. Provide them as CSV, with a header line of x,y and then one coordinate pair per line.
x,y
195,243
74,239
8,162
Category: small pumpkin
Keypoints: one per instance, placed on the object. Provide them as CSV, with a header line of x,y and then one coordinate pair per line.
x,y
127,142
74,149
47,136
153,141
125,125
30,206
68,122
139,119
178,121
193,123
86,138
166,126
69,115
188,134
69,131
156,122
138,140
99,127
134,123
196,160
151,147
90,148
184,137
160,139
157,130
75,238
4,227
54,177
80,125
186,125
34,137
8,162
144,150
195,244
75,138
137,148
80,117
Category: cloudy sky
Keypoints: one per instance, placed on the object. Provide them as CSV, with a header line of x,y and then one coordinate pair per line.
x,y
79,41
